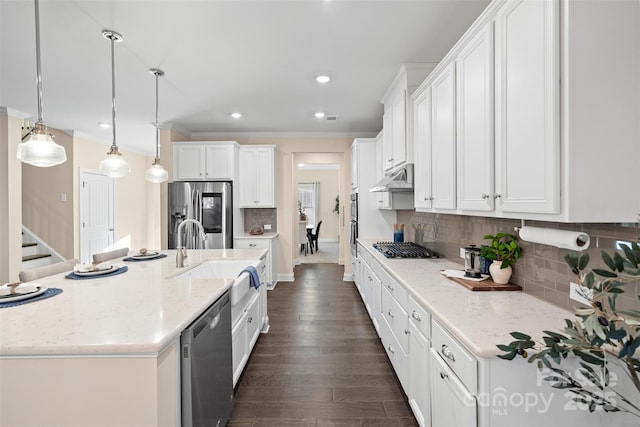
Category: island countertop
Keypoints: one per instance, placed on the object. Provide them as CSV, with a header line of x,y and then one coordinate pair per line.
x,y
480,319
138,312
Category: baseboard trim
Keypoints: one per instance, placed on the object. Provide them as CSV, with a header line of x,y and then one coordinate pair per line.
x,y
285,277
347,277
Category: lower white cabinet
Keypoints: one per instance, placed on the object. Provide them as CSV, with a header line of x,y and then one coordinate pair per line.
x,y
451,403
270,261
244,335
419,392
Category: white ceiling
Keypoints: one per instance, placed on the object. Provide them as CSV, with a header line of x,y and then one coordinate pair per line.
x,y
257,57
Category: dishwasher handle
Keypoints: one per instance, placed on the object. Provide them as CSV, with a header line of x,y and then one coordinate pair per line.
x,y
210,319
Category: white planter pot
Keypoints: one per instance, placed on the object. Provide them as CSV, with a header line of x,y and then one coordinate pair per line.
x,y
500,275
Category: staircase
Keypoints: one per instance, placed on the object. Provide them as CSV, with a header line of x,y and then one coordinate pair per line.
x,y
34,254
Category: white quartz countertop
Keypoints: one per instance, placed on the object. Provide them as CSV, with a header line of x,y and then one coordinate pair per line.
x,y
265,235
479,319
138,312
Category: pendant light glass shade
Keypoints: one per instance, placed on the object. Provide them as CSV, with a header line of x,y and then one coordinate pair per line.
x,y
156,173
114,165
39,148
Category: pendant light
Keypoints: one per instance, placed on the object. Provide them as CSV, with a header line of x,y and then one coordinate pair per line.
x,y
114,165
39,148
156,173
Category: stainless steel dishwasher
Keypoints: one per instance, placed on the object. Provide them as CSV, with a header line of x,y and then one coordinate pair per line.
x,y
207,367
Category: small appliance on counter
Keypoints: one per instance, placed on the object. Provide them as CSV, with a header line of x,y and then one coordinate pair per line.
x,y
472,262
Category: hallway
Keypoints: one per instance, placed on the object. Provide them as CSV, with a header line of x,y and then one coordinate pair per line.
x,y
321,364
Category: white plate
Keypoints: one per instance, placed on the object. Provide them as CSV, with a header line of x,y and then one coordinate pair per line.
x,y
97,272
19,297
146,256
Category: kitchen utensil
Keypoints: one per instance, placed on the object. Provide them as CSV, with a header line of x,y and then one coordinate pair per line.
x,y
472,262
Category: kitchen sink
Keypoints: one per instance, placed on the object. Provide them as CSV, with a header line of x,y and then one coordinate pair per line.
x,y
223,269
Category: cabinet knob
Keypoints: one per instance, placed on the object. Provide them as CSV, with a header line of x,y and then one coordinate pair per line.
x,y
448,353
390,287
431,198
391,350
253,245
497,196
390,313
485,196
250,319
406,332
443,375
416,316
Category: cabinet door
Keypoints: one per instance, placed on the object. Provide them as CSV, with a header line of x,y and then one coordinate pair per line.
x,y
527,107
247,178
451,403
253,322
188,162
354,167
383,200
387,140
474,122
265,184
399,144
239,349
443,139
219,162
422,148
419,393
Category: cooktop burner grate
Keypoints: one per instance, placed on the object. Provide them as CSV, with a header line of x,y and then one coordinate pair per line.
x,y
404,250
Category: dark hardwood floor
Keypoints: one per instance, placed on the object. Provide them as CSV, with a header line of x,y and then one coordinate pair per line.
x,y
321,364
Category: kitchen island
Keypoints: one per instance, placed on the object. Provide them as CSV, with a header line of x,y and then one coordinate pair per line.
x,y
105,352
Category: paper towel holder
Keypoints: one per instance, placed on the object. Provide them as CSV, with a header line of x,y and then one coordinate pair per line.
x,y
564,239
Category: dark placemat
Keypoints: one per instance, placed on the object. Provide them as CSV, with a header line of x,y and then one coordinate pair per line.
x,y
74,276
144,259
48,293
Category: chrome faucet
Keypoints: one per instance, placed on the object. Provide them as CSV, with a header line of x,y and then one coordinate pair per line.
x,y
182,250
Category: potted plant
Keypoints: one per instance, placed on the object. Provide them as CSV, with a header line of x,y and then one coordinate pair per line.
x,y
303,216
336,209
504,251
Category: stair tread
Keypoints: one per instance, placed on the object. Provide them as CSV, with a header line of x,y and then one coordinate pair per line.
x,y
27,245
34,256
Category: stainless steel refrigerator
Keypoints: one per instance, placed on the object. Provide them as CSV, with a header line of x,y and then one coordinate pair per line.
x,y
208,202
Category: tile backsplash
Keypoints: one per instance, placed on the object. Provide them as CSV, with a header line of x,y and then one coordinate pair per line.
x,y
541,271
261,217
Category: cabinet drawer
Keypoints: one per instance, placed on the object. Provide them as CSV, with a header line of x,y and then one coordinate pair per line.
x,y
459,359
252,244
419,317
394,288
396,317
362,253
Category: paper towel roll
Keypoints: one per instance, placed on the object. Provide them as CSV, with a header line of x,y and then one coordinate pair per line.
x,y
574,240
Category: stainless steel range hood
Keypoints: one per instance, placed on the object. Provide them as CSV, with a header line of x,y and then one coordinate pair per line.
x,y
400,179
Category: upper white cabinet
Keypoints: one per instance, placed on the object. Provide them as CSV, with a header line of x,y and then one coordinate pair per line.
x,y
204,161
422,193
354,167
474,122
256,178
443,139
527,107
542,130
398,115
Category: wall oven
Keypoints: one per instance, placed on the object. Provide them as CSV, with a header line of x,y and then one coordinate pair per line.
x,y
353,226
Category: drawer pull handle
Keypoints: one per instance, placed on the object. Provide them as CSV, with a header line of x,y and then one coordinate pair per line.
x,y
250,319
406,332
391,314
443,375
448,353
391,350
416,316
253,245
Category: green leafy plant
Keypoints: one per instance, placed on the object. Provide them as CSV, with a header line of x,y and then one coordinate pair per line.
x,y
601,335
336,209
301,210
503,247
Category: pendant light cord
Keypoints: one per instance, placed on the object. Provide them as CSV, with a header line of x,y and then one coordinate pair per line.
x,y
113,93
157,124
38,68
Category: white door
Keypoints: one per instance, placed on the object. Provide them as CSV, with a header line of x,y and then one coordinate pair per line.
x,y
97,230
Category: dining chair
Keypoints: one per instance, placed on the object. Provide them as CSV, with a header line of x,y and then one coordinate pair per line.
x,y
313,237
47,270
303,238
105,256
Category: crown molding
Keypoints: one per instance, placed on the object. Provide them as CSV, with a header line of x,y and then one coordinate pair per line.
x,y
12,112
281,135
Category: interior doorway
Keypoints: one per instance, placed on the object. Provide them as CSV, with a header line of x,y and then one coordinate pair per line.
x,y
97,230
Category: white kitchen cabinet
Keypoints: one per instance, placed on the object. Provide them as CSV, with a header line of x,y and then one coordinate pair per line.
x,y
451,403
271,259
474,122
422,195
443,139
204,161
354,167
256,178
387,141
419,392
527,107
389,200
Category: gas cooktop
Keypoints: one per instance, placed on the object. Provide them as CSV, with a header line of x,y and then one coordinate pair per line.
x,y
404,250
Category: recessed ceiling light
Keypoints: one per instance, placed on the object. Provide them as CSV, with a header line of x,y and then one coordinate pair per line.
x,y
104,125
323,78
319,115
236,115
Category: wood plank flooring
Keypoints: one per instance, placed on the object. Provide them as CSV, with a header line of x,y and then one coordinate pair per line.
x,y
321,364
